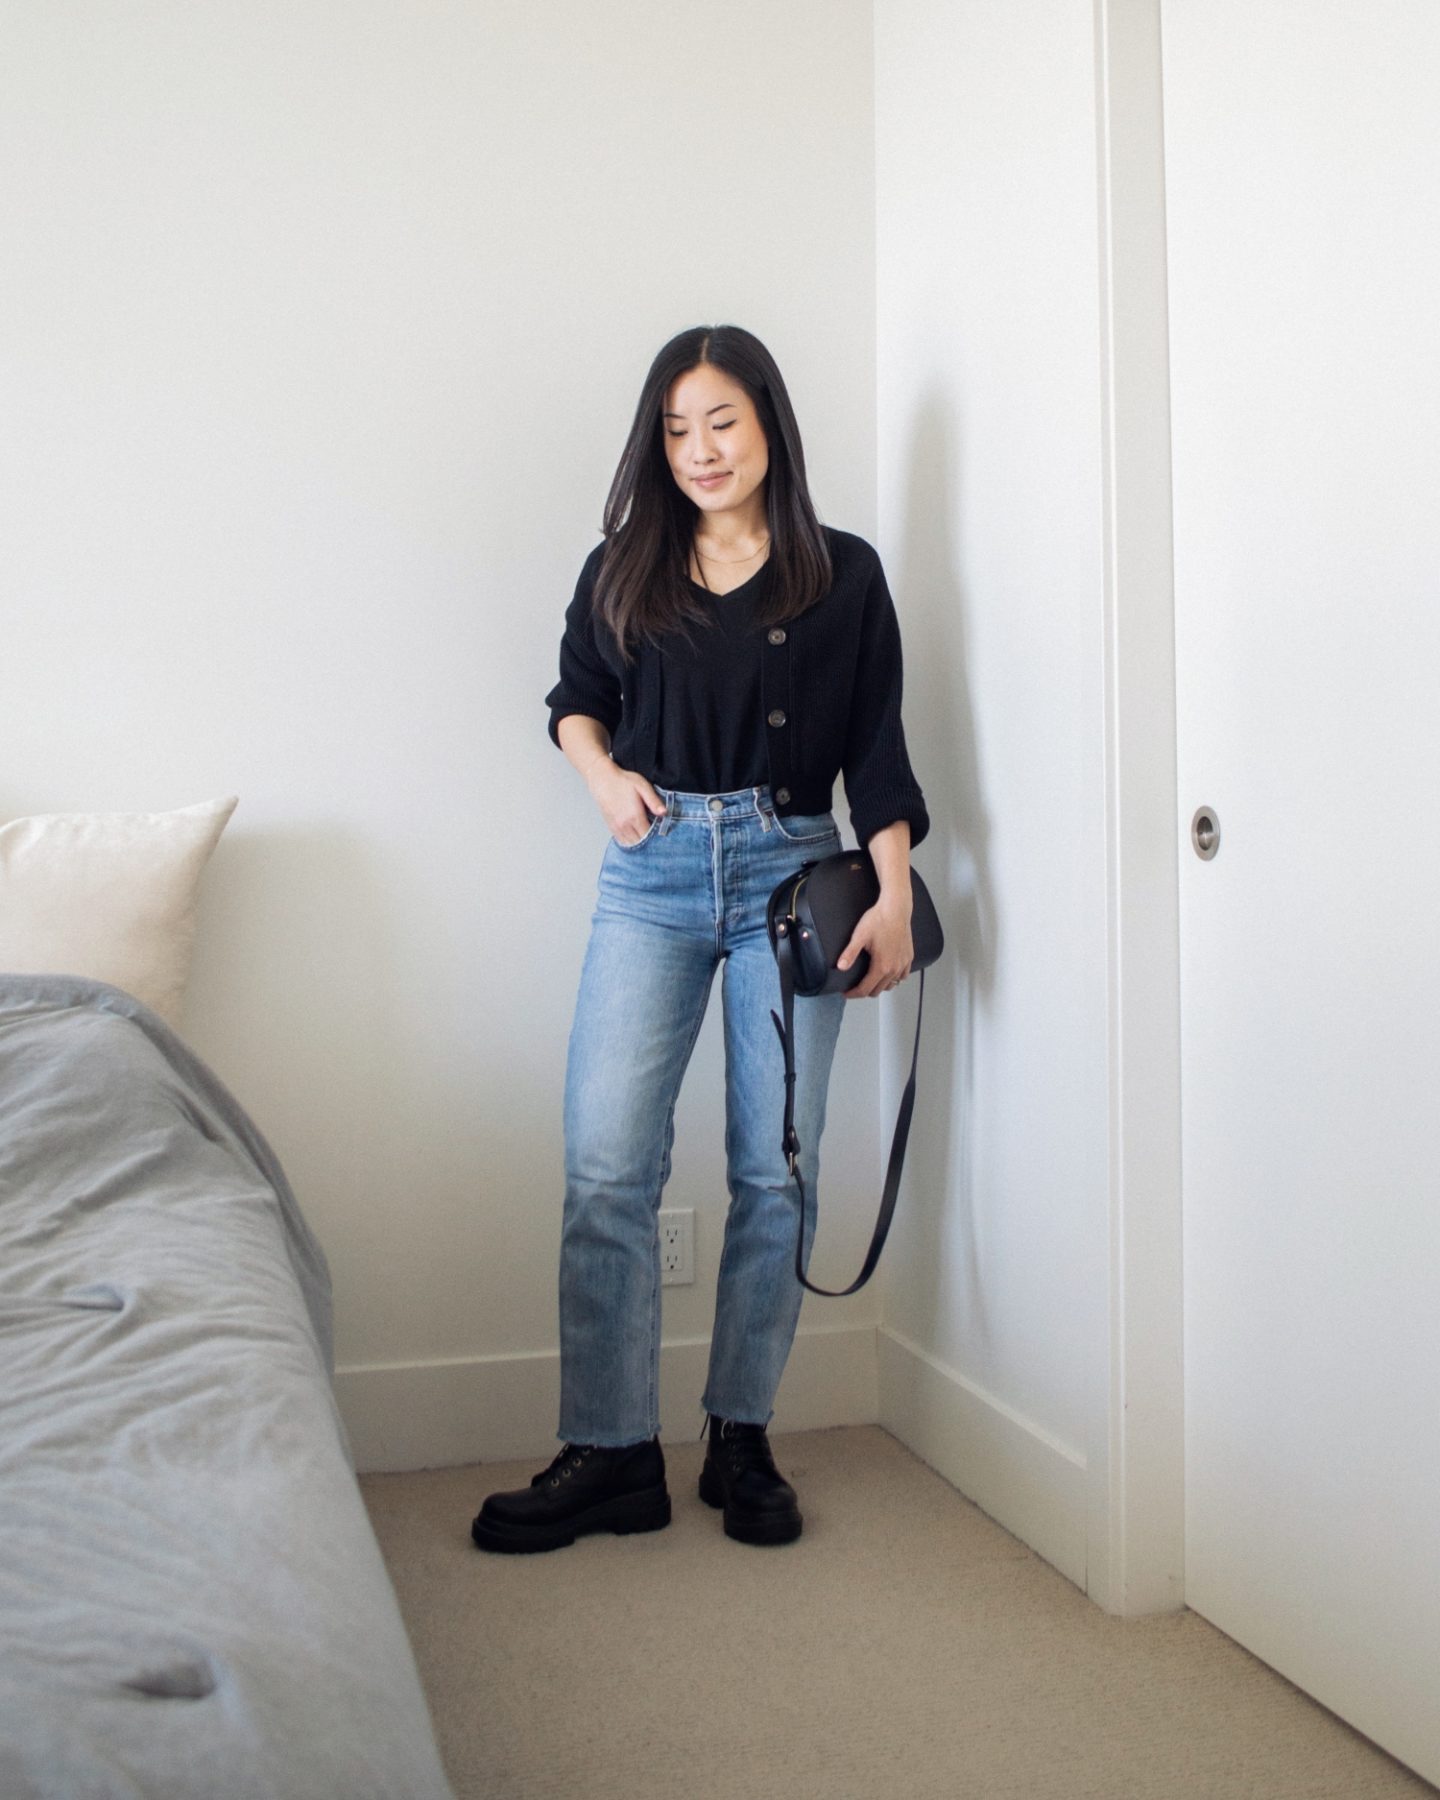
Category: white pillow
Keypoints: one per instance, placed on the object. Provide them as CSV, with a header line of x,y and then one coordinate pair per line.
x,y
108,895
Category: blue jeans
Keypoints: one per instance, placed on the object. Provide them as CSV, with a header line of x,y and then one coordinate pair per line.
x,y
689,896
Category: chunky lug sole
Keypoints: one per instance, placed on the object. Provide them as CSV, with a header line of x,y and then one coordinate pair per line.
x,y
648,1510
769,1528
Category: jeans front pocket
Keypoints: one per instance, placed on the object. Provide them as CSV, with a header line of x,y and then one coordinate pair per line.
x,y
807,828
640,842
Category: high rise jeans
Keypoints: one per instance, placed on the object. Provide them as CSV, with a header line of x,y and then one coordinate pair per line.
x,y
690,896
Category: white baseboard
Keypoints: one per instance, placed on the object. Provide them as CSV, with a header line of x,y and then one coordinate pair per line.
x,y
435,1415
1024,1479
489,1409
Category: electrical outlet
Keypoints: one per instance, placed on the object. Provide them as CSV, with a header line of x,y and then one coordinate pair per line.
x,y
677,1247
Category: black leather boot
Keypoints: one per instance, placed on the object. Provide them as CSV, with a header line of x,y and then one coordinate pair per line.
x,y
740,1476
584,1489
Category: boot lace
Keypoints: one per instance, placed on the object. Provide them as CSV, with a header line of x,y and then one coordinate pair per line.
x,y
572,1457
745,1447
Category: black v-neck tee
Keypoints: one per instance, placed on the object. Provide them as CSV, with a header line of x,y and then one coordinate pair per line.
x,y
711,723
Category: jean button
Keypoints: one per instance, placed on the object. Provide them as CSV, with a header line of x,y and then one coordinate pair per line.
x,y
776,635
777,718
717,806
782,796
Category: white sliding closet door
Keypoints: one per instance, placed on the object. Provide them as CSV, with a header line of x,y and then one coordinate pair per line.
x,y
1303,204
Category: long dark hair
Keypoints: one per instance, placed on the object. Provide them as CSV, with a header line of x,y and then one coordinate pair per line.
x,y
643,589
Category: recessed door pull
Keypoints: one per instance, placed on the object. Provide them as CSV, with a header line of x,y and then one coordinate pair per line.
x,y
1205,833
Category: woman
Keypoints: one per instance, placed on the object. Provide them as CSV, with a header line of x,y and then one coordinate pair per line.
x,y
724,658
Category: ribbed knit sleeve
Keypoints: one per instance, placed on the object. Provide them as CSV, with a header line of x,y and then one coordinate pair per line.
x,y
879,782
587,684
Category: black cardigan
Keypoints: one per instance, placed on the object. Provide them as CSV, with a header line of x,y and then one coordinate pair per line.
x,y
832,681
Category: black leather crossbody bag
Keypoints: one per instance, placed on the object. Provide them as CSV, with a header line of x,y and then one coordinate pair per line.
x,y
811,917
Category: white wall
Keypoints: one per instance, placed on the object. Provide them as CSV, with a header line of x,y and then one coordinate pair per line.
x,y
994,1348
321,332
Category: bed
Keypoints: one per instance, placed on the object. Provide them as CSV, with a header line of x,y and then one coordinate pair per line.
x,y
192,1602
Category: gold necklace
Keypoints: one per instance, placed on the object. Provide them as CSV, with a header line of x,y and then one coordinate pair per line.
x,y
725,561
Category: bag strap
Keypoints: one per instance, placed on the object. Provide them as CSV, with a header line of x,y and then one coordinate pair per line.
x,y
791,1143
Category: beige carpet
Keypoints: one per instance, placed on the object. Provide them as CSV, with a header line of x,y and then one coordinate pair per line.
x,y
905,1647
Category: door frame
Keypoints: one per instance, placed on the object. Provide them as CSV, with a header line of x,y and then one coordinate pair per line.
x,y
1136,1535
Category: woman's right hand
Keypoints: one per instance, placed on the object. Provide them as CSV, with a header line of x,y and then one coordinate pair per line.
x,y
626,800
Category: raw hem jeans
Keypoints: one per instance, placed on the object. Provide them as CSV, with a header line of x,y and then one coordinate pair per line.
x,y
689,896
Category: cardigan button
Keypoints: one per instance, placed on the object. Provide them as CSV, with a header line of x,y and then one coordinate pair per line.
x,y
777,718
782,796
776,635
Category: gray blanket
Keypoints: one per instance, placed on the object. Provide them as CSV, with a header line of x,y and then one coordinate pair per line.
x,y
192,1603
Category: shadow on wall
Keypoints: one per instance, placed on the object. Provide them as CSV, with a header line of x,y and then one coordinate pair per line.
x,y
938,700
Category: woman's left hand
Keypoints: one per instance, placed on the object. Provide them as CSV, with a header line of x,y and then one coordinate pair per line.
x,y
885,932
